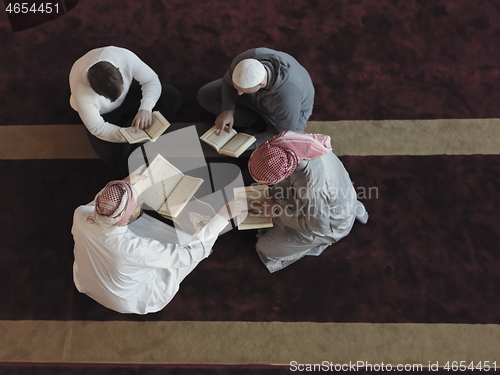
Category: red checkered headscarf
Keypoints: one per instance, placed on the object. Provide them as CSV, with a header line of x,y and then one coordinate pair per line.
x,y
277,158
114,204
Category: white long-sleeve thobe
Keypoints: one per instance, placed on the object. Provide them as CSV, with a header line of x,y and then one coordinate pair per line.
x,y
124,270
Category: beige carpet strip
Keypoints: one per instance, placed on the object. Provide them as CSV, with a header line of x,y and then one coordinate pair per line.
x,y
387,137
45,142
411,137
274,343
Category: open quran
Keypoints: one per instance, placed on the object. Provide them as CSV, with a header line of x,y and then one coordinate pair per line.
x,y
151,133
231,144
251,194
166,189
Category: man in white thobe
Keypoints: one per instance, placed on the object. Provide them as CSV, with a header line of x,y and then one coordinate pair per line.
x,y
133,265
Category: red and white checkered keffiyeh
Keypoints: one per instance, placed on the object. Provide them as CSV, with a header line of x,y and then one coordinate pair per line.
x,y
277,158
114,204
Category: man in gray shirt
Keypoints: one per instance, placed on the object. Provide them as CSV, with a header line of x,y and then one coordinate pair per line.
x,y
264,92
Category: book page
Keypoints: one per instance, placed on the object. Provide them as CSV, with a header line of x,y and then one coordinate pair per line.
x,y
181,195
162,178
238,144
252,193
132,137
156,195
253,220
217,141
159,125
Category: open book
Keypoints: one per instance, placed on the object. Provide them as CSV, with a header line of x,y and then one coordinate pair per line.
x,y
166,189
252,193
231,144
151,133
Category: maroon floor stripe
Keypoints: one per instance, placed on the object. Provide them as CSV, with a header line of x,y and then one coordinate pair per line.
x,y
429,253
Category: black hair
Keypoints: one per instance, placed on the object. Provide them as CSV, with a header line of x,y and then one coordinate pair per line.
x,y
106,80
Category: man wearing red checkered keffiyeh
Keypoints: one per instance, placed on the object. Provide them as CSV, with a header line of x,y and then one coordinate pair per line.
x,y
115,204
277,158
133,265
313,202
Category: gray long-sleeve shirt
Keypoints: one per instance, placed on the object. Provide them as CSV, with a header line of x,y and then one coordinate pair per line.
x,y
319,201
288,95
319,208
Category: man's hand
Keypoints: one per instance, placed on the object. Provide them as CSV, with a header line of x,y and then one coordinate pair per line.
x,y
142,120
265,208
233,208
226,118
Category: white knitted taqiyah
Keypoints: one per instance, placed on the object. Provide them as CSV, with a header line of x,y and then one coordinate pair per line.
x,y
248,73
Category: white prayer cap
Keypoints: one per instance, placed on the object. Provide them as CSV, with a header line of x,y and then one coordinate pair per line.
x,y
248,73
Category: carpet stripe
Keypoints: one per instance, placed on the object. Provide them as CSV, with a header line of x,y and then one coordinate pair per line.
x,y
275,343
387,137
45,142
411,137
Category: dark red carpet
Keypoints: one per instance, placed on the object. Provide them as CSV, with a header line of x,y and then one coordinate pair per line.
x,y
94,369
428,254
369,59
430,250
